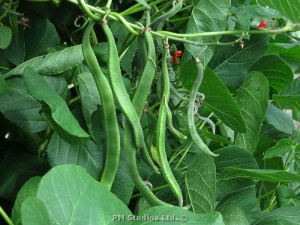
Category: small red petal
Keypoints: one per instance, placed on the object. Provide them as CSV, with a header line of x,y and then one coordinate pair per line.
x,y
175,59
262,25
178,53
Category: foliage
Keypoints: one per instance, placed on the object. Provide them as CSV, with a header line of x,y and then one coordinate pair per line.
x,y
104,122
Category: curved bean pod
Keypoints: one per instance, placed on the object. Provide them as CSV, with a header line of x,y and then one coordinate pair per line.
x,y
172,129
119,90
191,106
209,121
176,7
161,131
109,112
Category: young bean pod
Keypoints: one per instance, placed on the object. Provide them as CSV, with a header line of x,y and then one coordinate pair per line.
x,y
191,107
110,119
172,129
161,130
176,7
118,87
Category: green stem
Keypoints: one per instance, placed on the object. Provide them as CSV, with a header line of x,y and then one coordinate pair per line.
x,y
125,23
269,208
73,100
138,7
153,189
182,37
179,19
289,27
86,9
153,106
183,156
5,217
108,4
265,195
6,11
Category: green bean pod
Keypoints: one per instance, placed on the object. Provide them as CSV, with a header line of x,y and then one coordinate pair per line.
x,y
191,107
110,119
209,121
172,129
139,101
161,131
175,92
118,87
175,9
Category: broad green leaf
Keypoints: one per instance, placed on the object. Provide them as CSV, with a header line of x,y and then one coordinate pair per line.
x,y
234,156
256,11
260,174
15,52
297,158
246,200
123,185
226,187
176,216
217,138
237,157
290,8
275,69
279,119
34,212
221,102
60,85
229,61
5,37
282,147
287,49
52,63
126,61
217,96
73,197
40,36
200,182
56,111
201,21
253,98
291,56
286,197
88,156
27,190
21,108
3,85
287,216
234,215
290,94
141,206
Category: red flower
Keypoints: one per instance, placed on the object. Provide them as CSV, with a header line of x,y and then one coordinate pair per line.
x,y
176,55
262,25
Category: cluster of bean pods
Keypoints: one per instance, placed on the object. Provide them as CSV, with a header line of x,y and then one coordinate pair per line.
x,y
112,87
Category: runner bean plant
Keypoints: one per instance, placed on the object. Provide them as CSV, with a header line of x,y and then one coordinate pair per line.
x,y
149,112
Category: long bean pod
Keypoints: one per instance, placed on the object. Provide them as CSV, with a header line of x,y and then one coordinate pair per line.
x,y
139,101
191,107
118,87
110,119
161,130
